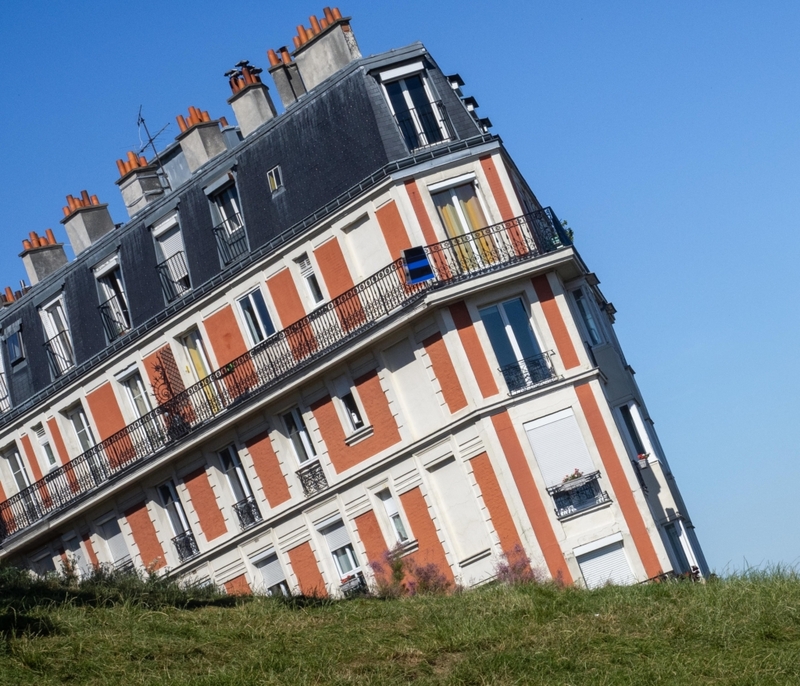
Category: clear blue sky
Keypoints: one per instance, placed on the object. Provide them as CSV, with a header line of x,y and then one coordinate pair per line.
x,y
666,133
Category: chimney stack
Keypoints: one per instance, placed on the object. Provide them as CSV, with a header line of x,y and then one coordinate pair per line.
x,y
86,221
139,183
200,138
326,47
250,101
286,76
42,255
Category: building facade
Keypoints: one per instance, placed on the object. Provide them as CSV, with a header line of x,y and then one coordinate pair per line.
x,y
323,334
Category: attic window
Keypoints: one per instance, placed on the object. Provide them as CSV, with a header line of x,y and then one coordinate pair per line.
x,y
274,179
13,336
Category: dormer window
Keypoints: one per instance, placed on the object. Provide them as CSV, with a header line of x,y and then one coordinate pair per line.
x,y
113,302
274,179
58,341
419,115
172,267
229,225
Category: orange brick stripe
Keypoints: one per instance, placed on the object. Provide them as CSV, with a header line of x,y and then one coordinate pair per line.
x,y
503,205
338,280
36,471
472,347
302,341
268,469
495,502
619,482
445,372
534,507
304,566
205,504
108,419
227,342
430,548
555,321
238,586
393,229
421,213
369,531
144,534
87,542
63,455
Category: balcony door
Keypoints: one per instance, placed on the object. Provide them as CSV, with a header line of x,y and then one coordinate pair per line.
x,y
59,345
462,214
418,117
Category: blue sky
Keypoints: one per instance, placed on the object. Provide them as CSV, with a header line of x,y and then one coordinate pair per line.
x,y
665,133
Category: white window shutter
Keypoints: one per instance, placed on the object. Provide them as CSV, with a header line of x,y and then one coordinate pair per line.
x,y
607,565
115,540
336,536
559,447
271,571
171,242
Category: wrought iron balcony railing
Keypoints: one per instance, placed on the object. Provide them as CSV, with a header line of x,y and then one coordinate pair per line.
x,y
174,276
354,585
231,239
424,126
271,362
5,401
577,495
116,318
528,373
185,546
312,478
59,353
248,513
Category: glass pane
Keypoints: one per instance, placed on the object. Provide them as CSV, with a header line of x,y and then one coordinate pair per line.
x,y
402,536
471,206
447,213
521,327
496,330
249,315
344,560
261,308
426,119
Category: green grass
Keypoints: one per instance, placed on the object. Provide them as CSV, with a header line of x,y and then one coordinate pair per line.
x,y
740,630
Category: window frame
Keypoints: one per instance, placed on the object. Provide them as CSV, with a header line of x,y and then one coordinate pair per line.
x,y
65,360
179,510
18,346
111,270
158,231
45,446
77,410
309,276
394,515
244,317
16,466
124,380
236,470
275,179
304,436
586,315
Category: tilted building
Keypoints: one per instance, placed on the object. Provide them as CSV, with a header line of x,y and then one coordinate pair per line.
x,y
322,334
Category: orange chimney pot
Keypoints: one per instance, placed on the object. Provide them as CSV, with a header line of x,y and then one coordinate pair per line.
x,y
51,237
314,23
328,15
9,294
121,167
337,14
95,201
224,122
26,244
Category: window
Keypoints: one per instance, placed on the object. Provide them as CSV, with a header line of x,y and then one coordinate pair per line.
x,y
115,543
44,444
274,179
256,317
80,424
515,347
113,303
675,533
229,229
174,508
273,576
634,432
16,351
137,394
172,265
420,118
390,506
196,355
5,400
76,556
18,472
298,435
344,556
586,311
352,411
606,565
58,343
460,209
245,505
307,272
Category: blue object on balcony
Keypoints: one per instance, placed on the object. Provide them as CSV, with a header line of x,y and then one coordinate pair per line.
x,y
416,265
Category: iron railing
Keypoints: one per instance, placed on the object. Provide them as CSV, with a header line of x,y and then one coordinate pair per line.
x,y
248,513
59,353
576,495
354,585
185,546
312,478
528,373
116,317
231,239
5,401
174,276
275,359
424,126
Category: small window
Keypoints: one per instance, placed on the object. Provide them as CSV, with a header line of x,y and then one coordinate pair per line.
x,y
58,342
113,301
172,504
421,119
18,472
274,179
245,505
115,543
5,399
586,311
298,435
390,506
307,272
16,352
80,424
344,557
352,411
172,266
44,444
256,317
229,225
273,576
635,430
137,394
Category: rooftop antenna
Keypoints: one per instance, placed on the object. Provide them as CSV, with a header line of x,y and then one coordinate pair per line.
x,y
151,143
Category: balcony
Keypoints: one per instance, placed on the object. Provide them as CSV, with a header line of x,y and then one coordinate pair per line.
x,y
528,373
59,354
116,318
231,239
174,276
247,512
5,401
578,495
424,126
312,478
266,366
185,546
354,585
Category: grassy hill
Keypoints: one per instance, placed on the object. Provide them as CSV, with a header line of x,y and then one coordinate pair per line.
x,y
741,630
